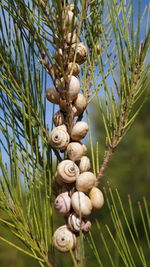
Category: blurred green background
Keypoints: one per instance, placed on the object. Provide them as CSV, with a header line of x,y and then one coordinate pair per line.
x,y
128,170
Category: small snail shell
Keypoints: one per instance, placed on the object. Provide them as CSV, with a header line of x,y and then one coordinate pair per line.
x,y
74,87
81,53
81,204
74,151
75,223
64,239
69,19
67,171
58,118
85,181
79,130
53,96
59,138
71,38
84,164
63,203
86,227
79,104
74,67
97,198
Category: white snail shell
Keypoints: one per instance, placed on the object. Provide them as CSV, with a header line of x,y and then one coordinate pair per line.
x,y
58,118
74,151
71,38
84,148
74,67
53,96
64,239
69,19
59,138
84,164
74,87
97,198
79,130
75,223
63,203
79,104
81,53
81,204
67,171
85,181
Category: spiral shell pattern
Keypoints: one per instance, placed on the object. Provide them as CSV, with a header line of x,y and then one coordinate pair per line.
x,y
68,171
59,138
63,203
64,239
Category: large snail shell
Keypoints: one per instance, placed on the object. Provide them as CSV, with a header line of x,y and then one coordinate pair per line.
x,y
79,130
97,198
64,239
71,38
74,87
53,96
74,222
59,138
81,204
74,67
85,181
63,203
74,151
68,171
58,118
84,164
81,53
79,104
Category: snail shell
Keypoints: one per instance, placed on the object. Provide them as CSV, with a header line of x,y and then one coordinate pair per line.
x,y
84,164
74,151
81,204
79,104
97,198
74,67
75,223
71,38
84,148
79,130
64,239
58,118
53,96
67,171
87,227
63,203
59,138
85,181
81,53
69,20
73,88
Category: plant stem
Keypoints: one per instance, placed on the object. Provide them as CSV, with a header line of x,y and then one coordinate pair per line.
x,y
79,251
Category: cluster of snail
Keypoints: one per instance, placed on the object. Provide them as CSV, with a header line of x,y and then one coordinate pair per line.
x,y
79,194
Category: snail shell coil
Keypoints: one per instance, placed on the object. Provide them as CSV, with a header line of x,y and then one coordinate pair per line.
x,y
74,67
81,53
79,130
58,118
73,88
79,104
85,181
63,203
84,164
74,222
67,171
64,239
59,138
74,151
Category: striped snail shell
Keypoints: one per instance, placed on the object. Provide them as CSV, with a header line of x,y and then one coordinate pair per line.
x,y
73,88
85,181
84,164
81,53
87,226
79,130
53,96
63,203
67,171
81,203
74,151
59,138
74,67
97,198
74,222
79,104
58,118
64,239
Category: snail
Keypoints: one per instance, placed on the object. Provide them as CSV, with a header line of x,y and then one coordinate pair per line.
x,y
81,53
85,181
84,164
79,104
67,171
84,148
59,138
71,38
73,88
74,67
58,118
74,151
76,224
69,20
81,204
63,203
87,227
53,96
97,198
79,130
64,239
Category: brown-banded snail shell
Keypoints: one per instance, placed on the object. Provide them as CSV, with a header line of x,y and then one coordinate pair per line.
x,y
97,198
84,164
79,104
74,67
64,239
73,88
74,151
53,96
58,118
67,171
63,203
85,181
79,130
81,53
81,204
59,138
74,222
